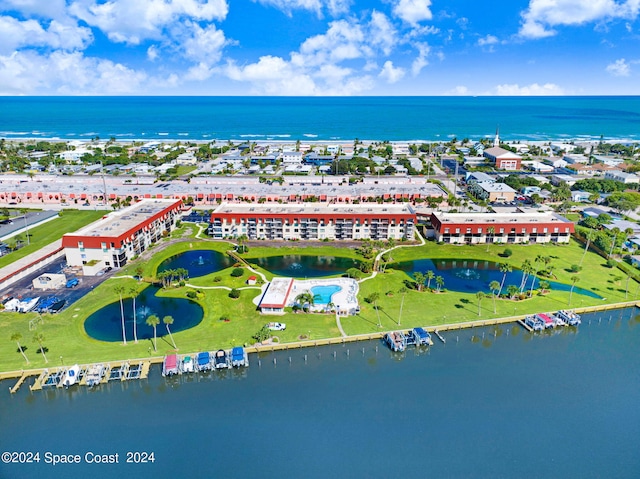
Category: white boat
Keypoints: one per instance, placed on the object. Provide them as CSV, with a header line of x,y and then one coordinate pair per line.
x,y
187,364
95,374
28,304
70,376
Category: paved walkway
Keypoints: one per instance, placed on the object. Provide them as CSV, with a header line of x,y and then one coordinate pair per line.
x,y
379,255
339,324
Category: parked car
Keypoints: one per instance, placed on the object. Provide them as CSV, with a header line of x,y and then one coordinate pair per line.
x,y
73,282
277,326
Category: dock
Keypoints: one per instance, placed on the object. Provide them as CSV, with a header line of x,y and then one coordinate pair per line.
x,y
440,336
525,326
19,383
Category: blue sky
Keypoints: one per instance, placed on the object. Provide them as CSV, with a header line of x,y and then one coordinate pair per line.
x,y
319,47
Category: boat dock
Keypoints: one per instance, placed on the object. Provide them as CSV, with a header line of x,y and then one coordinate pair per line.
x,y
525,326
440,336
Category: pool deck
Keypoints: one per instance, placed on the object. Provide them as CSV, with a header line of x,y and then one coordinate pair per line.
x,y
345,300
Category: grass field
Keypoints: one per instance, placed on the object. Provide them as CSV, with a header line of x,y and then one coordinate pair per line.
x,y
65,335
70,220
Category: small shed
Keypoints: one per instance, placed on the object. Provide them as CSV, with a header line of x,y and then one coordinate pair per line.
x,y
50,281
251,280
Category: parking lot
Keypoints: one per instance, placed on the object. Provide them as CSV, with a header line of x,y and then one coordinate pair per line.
x,y
24,288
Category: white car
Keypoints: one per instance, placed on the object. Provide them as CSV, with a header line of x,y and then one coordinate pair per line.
x,y
277,326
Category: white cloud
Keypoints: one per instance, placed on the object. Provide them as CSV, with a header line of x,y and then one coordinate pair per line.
x,y
421,60
382,32
342,41
413,11
153,53
542,15
619,68
335,7
15,34
459,90
534,89
66,73
134,21
38,8
488,40
203,45
391,74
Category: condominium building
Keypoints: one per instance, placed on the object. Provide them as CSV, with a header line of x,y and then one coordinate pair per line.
x,y
474,228
121,235
313,221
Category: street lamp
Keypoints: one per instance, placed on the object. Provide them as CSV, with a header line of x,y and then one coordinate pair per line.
x,y
61,363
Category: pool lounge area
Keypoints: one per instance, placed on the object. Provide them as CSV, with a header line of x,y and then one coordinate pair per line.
x,y
282,292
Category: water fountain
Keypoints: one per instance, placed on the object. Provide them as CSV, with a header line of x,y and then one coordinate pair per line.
x,y
468,273
200,261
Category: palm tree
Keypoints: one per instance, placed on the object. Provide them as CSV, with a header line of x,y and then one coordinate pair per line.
x,y
430,276
373,298
590,236
402,290
504,269
490,232
153,321
133,291
494,286
39,338
512,290
574,280
17,337
419,278
120,290
527,269
544,285
480,295
615,232
26,224
439,282
168,320
307,299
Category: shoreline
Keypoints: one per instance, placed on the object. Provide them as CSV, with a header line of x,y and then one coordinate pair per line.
x,y
22,374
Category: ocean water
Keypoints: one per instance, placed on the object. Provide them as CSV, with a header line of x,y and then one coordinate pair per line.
x,y
490,403
320,118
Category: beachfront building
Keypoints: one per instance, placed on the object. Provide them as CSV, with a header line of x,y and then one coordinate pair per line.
x,y
121,235
313,221
475,228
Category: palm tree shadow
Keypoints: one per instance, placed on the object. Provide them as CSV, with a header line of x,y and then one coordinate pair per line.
x,y
375,323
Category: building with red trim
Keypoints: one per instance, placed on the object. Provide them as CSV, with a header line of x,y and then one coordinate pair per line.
x,y
474,228
313,221
121,235
503,159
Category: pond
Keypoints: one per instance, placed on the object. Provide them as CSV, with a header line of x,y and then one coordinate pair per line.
x,y
471,276
197,262
299,266
106,323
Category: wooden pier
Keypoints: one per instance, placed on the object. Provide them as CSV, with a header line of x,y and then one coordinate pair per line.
x,y
440,337
525,325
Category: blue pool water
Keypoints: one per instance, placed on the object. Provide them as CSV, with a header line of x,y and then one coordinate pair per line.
x,y
322,294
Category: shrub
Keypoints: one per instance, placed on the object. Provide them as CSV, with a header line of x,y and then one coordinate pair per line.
x,y
182,283
262,335
237,272
192,294
234,293
611,263
217,279
575,268
507,253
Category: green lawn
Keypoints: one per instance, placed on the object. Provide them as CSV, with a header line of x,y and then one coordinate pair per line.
x,y
65,334
70,220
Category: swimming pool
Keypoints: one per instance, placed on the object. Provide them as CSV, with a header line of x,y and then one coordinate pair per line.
x,y
322,294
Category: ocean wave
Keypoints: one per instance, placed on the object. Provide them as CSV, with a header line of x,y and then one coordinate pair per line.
x,y
310,135
163,134
251,136
14,133
91,133
183,134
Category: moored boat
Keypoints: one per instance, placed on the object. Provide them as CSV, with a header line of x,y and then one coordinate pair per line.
x,y
203,362
395,340
70,376
221,360
170,365
570,317
187,364
239,357
95,374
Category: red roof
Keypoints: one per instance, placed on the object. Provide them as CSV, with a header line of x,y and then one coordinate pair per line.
x,y
171,361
